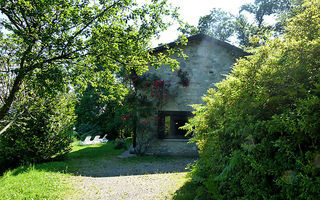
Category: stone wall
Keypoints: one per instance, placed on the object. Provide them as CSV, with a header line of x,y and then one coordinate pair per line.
x,y
207,63
172,147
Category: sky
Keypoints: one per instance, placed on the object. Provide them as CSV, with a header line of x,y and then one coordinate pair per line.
x,y
191,10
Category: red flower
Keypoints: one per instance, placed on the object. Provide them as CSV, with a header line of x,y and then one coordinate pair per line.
x,y
161,83
144,122
147,84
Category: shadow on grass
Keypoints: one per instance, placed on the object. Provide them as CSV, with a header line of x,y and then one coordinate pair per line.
x,y
186,192
101,161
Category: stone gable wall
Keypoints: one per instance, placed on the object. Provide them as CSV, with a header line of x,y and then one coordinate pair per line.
x,y
207,63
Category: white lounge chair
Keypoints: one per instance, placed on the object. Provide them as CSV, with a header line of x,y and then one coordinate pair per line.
x,y
96,139
87,140
104,139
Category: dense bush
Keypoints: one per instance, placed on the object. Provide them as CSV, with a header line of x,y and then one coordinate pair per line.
x,y
86,129
120,144
97,115
43,129
258,132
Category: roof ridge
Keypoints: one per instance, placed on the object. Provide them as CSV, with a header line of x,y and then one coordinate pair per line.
x,y
199,36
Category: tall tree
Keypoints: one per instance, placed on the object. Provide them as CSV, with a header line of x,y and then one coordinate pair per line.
x,y
51,43
262,8
224,26
218,23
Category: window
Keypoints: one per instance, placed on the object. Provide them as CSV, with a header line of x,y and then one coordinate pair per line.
x,y
169,123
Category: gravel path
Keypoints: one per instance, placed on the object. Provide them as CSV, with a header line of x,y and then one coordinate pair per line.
x,y
132,178
137,187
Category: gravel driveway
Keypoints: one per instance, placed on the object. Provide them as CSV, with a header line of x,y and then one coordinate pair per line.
x,y
131,178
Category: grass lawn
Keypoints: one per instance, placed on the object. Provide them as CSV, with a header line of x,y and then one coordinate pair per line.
x,y
51,180
31,183
64,180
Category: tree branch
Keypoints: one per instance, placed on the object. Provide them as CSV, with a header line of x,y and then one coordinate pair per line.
x,y
8,102
16,85
91,21
11,19
10,123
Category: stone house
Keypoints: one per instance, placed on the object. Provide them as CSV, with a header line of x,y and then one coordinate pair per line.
x,y
208,61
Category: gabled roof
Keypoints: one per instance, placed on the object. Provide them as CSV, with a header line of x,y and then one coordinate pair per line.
x,y
200,37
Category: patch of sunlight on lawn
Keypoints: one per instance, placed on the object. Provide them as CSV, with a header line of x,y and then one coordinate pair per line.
x,y
31,183
96,151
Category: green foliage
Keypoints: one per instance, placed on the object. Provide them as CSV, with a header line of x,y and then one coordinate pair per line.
x,y
258,132
120,144
88,107
218,23
84,130
262,8
64,42
48,45
225,26
101,111
150,89
43,129
186,192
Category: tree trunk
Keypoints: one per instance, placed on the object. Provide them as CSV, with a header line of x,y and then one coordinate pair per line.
x,y
8,102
